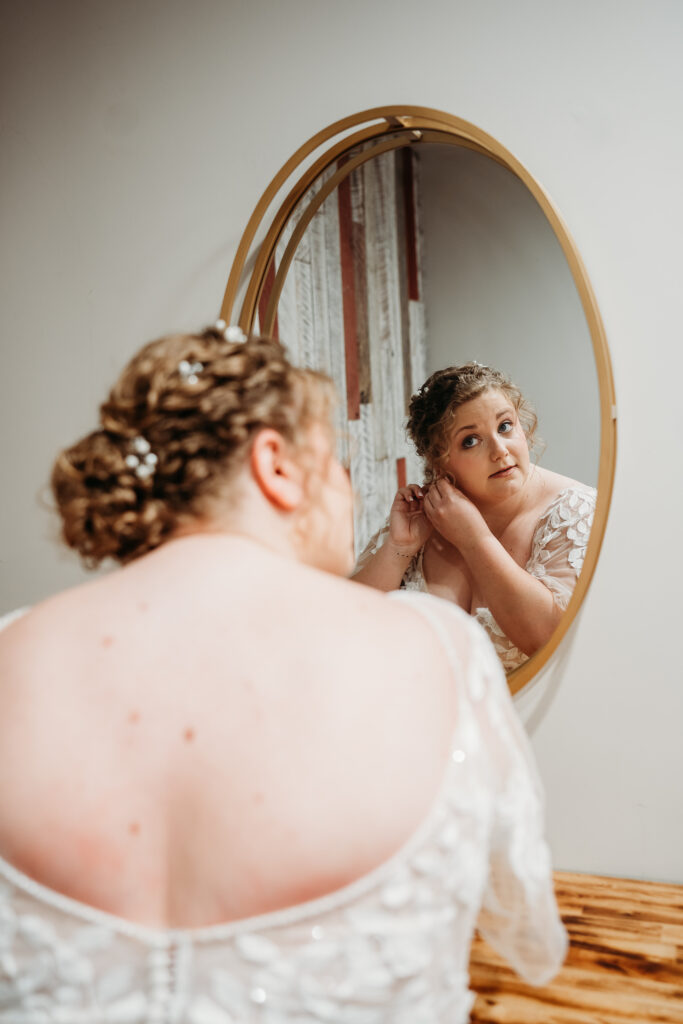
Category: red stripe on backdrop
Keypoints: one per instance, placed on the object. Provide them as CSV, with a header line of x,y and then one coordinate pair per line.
x,y
401,472
265,296
411,232
402,269
349,301
361,286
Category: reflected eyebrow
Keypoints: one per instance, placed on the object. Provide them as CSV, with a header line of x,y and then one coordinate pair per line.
x,y
473,426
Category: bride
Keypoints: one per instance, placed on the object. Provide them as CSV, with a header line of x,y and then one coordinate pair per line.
x,y
489,531
225,798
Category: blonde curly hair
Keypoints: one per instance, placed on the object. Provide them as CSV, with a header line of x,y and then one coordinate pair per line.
x,y
199,428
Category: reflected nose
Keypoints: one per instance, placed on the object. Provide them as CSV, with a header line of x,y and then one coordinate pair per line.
x,y
497,447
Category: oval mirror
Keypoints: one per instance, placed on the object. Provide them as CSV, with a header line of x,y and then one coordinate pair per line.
x,y
402,240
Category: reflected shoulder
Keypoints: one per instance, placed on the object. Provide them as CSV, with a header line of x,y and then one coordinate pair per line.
x,y
555,483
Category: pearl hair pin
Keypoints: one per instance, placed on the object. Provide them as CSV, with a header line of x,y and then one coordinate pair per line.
x,y
142,459
188,371
231,333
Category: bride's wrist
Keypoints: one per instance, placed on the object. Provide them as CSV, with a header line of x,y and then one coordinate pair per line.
x,y
401,551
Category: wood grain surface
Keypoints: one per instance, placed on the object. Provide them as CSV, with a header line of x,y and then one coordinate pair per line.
x,y
625,960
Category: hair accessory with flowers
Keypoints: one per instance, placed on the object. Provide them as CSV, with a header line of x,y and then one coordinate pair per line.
x,y
188,371
142,459
231,333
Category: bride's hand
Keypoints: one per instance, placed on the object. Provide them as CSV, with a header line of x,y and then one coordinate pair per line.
x,y
453,515
409,527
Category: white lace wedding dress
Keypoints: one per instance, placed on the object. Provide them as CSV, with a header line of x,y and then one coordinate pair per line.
x,y
558,548
391,948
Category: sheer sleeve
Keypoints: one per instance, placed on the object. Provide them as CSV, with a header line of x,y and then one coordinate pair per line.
x,y
372,546
559,543
9,617
519,915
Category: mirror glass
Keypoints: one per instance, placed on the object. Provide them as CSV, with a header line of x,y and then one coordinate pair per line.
x,y
426,256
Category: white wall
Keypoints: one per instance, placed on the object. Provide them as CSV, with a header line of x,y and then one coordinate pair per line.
x,y
498,289
136,138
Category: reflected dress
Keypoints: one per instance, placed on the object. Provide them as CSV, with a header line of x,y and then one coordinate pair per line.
x,y
558,548
392,946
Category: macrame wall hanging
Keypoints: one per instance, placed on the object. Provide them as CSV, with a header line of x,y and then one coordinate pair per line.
x,y
352,306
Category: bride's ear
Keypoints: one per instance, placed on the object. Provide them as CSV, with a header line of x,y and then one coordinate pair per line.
x,y
278,475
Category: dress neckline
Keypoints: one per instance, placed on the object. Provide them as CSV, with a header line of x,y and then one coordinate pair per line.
x,y
159,936
166,936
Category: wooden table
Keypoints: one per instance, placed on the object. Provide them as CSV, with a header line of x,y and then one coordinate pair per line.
x,y
625,961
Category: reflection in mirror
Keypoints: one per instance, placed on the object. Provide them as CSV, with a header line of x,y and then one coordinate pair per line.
x,y
498,289
427,257
351,304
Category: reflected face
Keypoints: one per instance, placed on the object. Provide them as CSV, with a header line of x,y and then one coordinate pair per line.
x,y
329,518
489,454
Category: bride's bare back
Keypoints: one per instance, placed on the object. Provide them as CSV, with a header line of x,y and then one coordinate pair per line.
x,y
216,731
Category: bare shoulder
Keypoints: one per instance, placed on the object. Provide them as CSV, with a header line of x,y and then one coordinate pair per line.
x,y
36,633
144,614
553,484
410,629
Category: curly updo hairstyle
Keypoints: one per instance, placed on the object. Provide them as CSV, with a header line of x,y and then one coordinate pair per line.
x,y
432,410
193,402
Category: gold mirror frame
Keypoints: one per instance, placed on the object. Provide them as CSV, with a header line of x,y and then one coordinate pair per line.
x,y
391,128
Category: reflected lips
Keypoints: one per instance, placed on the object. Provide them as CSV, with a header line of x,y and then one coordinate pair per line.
x,y
503,472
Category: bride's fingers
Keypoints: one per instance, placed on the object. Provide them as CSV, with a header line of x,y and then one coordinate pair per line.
x,y
409,494
433,502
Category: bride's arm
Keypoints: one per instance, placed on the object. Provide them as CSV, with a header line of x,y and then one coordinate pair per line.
x,y
523,607
383,569
407,530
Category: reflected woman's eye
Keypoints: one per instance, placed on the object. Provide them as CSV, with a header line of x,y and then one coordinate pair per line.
x,y
469,441
505,427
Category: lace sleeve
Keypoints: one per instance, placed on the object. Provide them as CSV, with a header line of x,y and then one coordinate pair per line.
x,y
560,541
372,547
519,915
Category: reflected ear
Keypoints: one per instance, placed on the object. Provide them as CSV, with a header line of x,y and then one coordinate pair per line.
x,y
278,475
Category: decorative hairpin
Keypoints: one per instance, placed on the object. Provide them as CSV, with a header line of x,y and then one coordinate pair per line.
x,y
142,459
231,333
188,371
